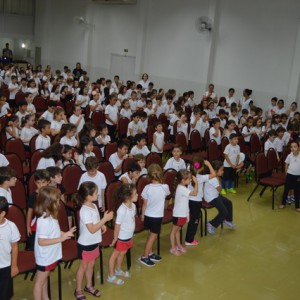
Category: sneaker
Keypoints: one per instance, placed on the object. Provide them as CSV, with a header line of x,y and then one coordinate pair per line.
x,y
181,249
211,229
155,257
288,200
232,190
175,252
193,243
147,261
229,224
223,192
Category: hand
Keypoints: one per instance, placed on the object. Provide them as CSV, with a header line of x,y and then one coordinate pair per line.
x,y
76,156
113,243
103,229
108,215
14,271
206,162
69,234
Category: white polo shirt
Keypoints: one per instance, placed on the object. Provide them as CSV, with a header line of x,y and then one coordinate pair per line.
x,y
155,194
210,189
294,164
174,164
126,220
232,152
181,204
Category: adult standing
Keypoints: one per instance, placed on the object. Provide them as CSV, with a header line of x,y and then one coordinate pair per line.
x,y
144,82
7,53
77,71
210,93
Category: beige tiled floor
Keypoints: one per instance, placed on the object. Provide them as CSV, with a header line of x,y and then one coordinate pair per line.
x,y
260,260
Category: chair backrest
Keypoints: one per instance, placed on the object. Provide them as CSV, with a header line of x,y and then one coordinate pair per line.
x,y
109,194
153,158
32,143
69,107
141,183
87,113
195,139
109,149
15,146
34,159
40,104
70,178
126,163
206,136
63,217
16,215
98,153
98,118
224,143
163,119
255,145
19,194
152,119
150,132
166,131
169,179
123,126
15,163
261,165
108,170
213,151
242,144
175,128
285,152
20,96
181,140
31,185
273,162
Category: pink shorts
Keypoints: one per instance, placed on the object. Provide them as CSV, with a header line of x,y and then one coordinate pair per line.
x,y
88,253
179,221
122,246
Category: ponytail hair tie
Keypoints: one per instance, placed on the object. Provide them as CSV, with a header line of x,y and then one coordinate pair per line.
x,y
197,165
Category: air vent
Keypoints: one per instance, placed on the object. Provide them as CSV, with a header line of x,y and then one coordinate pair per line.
x,y
118,2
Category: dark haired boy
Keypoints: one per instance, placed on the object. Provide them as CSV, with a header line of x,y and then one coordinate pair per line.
x,y
141,146
43,140
117,158
7,180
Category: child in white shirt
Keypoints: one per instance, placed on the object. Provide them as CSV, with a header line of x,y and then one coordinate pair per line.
x,y
181,209
125,110
158,139
67,135
133,126
43,140
7,180
175,162
132,174
48,114
215,132
118,157
182,125
30,107
59,118
77,118
140,147
10,236
154,196
212,189
28,131
86,150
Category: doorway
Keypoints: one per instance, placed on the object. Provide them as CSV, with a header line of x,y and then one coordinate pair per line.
x,y
124,66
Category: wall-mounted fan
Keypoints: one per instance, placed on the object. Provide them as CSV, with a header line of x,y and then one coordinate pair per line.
x,y
204,24
82,21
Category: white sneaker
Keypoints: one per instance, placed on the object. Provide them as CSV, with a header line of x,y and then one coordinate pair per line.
x,y
229,224
211,229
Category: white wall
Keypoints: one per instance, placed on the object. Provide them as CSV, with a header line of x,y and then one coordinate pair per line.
x,y
253,44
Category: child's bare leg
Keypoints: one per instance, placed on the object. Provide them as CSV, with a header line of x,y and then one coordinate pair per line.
x,y
79,275
40,286
112,262
149,244
120,259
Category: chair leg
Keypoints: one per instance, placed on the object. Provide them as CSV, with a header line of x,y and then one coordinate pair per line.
x,y
128,259
262,191
158,244
26,275
70,264
101,266
32,275
59,282
253,192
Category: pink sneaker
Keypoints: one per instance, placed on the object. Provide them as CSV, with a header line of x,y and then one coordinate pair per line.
x,y
193,243
181,249
175,252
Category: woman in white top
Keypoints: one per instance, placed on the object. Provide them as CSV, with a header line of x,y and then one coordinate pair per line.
x,y
47,247
245,100
144,82
210,93
91,228
212,195
230,98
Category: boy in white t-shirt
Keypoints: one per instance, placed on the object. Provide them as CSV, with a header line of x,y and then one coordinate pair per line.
x,y
22,112
140,147
48,114
9,237
3,161
7,180
92,174
175,162
231,164
30,107
215,132
43,141
13,88
117,158
134,127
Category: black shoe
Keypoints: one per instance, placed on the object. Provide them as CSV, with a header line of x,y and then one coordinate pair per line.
x,y
155,257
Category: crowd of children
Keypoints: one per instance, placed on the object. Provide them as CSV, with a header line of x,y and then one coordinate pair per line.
x,y
69,137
